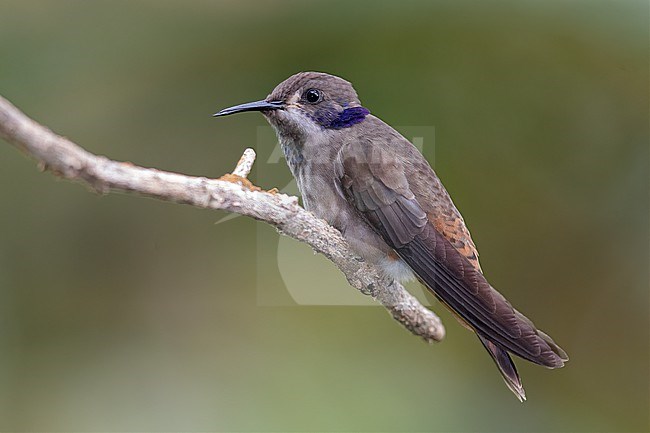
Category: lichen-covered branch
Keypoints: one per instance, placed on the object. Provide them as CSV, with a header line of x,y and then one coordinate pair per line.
x,y
233,192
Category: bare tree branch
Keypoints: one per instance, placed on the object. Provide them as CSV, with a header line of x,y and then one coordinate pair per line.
x,y
245,164
233,193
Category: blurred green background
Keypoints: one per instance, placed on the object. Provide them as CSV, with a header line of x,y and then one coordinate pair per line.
x,y
124,313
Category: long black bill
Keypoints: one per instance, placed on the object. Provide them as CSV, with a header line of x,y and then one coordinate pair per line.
x,y
251,106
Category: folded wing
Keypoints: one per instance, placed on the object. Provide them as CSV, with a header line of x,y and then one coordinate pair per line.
x,y
376,183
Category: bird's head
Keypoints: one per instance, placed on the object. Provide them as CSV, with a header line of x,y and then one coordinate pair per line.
x,y
308,102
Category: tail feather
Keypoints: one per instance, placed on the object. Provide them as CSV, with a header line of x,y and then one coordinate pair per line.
x,y
506,368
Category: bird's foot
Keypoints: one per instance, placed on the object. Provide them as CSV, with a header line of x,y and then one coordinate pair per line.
x,y
239,180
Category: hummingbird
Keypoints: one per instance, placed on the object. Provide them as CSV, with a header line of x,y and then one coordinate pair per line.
x,y
373,185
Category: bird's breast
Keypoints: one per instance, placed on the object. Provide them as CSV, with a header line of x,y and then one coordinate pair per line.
x,y
312,162
294,157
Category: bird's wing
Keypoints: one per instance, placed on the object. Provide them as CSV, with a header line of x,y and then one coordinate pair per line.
x,y
441,210
374,180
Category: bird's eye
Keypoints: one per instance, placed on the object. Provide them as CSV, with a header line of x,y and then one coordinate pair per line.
x,y
312,96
